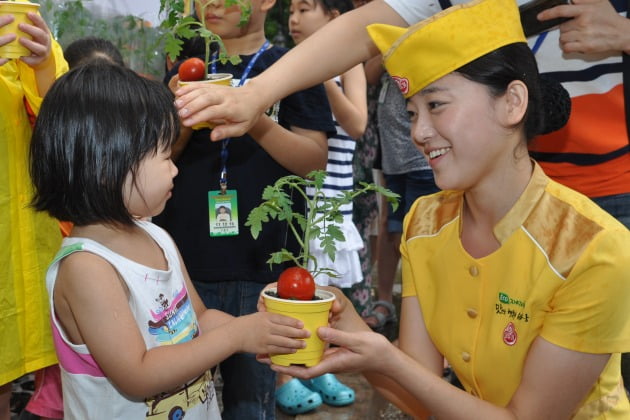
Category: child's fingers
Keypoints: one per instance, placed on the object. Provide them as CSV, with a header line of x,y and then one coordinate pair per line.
x,y
290,331
285,320
6,19
289,347
5,39
38,21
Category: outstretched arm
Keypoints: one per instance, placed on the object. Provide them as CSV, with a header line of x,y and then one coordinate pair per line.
x,y
96,312
338,46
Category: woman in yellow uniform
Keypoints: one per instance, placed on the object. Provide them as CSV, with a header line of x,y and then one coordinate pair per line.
x,y
28,240
522,284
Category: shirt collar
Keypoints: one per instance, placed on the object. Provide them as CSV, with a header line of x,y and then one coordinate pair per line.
x,y
517,215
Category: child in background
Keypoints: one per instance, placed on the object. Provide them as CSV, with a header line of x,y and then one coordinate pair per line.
x,y
347,96
130,331
84,50
227,266
29,240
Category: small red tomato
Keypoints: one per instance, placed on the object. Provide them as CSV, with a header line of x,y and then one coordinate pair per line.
x,y
191,70
296,283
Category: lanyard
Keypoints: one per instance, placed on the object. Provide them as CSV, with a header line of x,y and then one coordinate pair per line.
x,y
539,41
226,142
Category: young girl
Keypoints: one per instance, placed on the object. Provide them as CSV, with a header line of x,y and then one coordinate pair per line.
x,y
132,335
348,101
520,282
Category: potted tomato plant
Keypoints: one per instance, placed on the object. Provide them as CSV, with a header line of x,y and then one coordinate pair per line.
x,y
19,10
179,24
296,293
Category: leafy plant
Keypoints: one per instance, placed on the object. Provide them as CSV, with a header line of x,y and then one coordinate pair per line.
x,y
179,28
137,41
320,222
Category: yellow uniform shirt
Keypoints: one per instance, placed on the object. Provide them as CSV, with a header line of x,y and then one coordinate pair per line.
x,y
28,240
562,272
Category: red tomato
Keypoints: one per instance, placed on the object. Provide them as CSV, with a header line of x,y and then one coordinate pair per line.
x,y
296,283
191,70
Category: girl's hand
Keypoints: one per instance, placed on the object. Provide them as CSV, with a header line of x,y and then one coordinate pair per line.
x,y
40,45
265,333
5,39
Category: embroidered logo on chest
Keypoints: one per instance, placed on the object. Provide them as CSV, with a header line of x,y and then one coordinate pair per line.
x,y
509,334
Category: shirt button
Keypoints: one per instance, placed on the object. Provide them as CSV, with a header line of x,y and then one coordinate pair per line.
x,y
471,313
473,270
465,356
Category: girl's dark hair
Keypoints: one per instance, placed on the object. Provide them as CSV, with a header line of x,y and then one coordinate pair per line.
x,y
86,49
342,6
517,62
96,124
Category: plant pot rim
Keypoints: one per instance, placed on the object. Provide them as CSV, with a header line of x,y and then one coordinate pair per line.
x,y
212,78
325,296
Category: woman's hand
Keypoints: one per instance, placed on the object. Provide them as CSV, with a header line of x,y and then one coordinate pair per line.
x,y
356,352
233,110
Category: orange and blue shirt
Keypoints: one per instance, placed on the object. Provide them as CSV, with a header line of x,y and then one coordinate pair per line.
x,y
591,153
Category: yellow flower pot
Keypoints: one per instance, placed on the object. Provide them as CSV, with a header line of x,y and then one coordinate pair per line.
x,y
19,10
224,79
314,314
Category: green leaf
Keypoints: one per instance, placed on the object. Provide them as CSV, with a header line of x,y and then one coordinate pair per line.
x,y
320,223
255,219
235,59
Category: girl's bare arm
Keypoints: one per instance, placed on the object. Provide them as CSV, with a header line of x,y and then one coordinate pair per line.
x,y
349,104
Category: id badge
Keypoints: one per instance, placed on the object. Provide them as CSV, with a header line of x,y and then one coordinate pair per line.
x,y
223,213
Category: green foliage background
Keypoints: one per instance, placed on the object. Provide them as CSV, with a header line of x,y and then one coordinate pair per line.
x,y
138,42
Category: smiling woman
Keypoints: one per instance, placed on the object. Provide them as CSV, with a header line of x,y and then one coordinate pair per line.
x,y
550,324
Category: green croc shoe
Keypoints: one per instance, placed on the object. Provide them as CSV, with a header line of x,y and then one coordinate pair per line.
x,y
295,398
332,391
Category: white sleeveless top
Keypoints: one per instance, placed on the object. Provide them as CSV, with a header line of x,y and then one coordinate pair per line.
x,y
164,315
339,179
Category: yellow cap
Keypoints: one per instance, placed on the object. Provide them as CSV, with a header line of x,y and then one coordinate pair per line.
x,y
435,47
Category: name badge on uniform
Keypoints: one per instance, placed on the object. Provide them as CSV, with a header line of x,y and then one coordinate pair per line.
x,y
223,213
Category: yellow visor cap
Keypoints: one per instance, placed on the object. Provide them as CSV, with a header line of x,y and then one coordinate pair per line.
x,y
430,49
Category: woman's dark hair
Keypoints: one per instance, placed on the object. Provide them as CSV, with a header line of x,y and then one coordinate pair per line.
x,y
96,124
86,49
517,62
